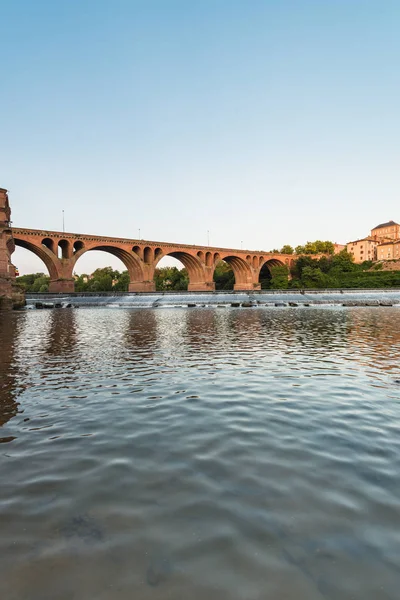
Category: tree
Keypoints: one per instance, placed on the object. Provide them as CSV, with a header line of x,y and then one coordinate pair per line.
x,y
317,247
34,282
171,278
223,276
286,249
314,278
279,277
344,261
122,284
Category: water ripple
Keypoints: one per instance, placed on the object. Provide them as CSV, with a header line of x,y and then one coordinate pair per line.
x,y
237,454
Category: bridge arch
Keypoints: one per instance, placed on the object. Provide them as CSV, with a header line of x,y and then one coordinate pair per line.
x,y
242,271
193,265
265,274
130,260
78,245
50,244
44,253
64,249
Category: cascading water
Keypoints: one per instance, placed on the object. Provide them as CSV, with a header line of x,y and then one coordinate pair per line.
x,y
222,298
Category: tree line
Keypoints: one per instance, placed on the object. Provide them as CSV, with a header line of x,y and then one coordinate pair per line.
x,y
317,247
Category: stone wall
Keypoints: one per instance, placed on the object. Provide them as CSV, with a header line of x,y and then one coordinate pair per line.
x,y
12,295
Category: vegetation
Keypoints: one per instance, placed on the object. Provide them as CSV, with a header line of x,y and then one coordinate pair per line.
x,y
279,278
34,282
339,271
223,276
103,280
171,278
317,247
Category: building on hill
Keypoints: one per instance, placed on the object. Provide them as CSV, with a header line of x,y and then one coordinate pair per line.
x,y
338,248
386,231
364,249
389,250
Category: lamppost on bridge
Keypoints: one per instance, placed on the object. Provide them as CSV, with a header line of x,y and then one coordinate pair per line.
x,y
208,237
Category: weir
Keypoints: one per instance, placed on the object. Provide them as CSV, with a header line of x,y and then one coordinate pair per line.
x,y
258,299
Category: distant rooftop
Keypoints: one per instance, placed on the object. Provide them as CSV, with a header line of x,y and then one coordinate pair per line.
x,y
366,239
388,224
389,243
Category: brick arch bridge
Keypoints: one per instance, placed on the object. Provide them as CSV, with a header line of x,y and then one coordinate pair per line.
x,y
60,252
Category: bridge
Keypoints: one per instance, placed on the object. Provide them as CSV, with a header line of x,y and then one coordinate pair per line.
x,y
60,251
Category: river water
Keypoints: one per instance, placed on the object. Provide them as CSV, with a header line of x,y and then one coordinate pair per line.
x,y
200,454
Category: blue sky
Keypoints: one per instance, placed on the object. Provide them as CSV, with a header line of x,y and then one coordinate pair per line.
x,y
264,122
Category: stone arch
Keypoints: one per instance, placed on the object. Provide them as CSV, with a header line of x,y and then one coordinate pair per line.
x,y
223,275
200,254
50,244
158,253
255,262
64,248
242,271
273,262
138,251
47,256
209,259
147,255
129,259
78,245
192,264
264,275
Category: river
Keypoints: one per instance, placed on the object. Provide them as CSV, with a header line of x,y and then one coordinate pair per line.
x,y
200,454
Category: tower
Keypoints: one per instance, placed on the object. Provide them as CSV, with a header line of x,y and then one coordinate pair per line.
x,y
11,295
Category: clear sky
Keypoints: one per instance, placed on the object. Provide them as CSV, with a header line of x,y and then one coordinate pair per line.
x,y
264,122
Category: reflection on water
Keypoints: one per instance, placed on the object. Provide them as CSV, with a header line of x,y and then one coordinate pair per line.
x,y
216,453
10,383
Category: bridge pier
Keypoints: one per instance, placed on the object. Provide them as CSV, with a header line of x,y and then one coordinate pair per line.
x,y
142,286
62,286
12,295
244,287
204,286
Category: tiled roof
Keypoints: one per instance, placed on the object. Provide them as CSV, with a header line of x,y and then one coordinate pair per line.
x,y
366,239
389,243
388,224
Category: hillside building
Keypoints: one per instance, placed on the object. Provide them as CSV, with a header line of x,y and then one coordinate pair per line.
x,y
364,249
386,231
389,250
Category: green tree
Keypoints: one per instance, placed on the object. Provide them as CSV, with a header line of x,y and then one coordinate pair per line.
x,y
310,248
223,276
286,249
122,284
279,277
171,278
317,247
34,282
314,278
344,262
